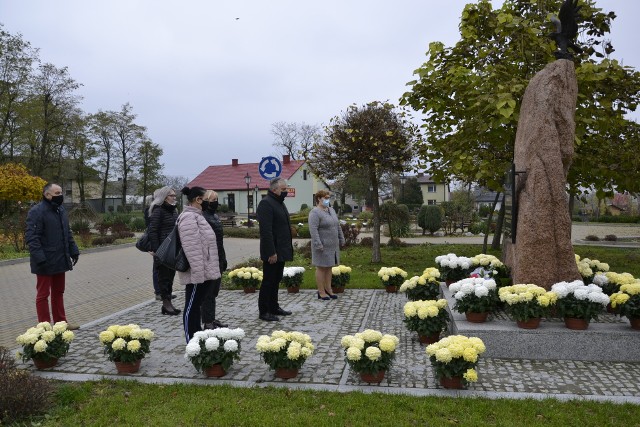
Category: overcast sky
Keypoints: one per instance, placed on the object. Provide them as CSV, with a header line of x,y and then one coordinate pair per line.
x,y
208,78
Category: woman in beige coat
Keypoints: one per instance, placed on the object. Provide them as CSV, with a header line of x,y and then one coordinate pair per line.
x,y
199,245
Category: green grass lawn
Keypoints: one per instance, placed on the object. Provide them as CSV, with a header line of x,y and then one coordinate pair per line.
x,y
107,403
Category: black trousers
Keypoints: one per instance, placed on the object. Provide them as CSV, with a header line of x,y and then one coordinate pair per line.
x,y
194,295
268,296
165,279
208,307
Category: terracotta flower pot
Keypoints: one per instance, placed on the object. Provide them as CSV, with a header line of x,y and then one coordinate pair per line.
x,y
372,378
285,373
249,289
391,289
44,364
293,289
476,317
576,324
337,289
452,382
128,367
216,371
429,339
635,323
529,324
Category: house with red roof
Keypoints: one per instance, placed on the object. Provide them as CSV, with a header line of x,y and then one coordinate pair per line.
x,y
240,185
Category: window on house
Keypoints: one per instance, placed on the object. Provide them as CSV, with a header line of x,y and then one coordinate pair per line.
x,y
304,174
431,202
431,188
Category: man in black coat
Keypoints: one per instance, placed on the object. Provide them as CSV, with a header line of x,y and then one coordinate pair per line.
x,y
275,248
52,253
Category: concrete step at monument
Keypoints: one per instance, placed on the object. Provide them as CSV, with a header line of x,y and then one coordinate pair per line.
x,y
608,339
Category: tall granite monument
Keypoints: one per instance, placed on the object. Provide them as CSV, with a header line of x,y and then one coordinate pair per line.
x,y
544,149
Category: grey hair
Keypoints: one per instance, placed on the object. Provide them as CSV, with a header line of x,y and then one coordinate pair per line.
x,y
158,197
275,183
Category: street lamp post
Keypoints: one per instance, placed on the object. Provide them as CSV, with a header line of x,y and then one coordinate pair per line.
x,y
403,179
256,189
247,180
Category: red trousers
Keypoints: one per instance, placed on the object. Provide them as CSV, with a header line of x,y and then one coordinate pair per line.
x,y
54,285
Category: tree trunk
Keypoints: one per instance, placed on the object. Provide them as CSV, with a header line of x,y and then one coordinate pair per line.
x,y
375,249
498,234
486,235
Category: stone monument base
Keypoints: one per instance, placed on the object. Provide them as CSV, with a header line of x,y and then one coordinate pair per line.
x,y
610,339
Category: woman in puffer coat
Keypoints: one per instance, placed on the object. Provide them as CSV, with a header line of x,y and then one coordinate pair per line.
x,y
199,245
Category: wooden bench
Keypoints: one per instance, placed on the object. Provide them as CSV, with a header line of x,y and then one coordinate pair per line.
x,y
228,221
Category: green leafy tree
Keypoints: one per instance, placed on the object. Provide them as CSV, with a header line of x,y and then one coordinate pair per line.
x,y
149,167
375,138
471,95
430,218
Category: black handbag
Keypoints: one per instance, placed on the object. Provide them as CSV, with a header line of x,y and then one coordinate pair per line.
x,y
143,243
170,253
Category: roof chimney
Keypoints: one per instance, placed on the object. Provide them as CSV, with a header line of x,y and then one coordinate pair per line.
x,y
234,162
286,158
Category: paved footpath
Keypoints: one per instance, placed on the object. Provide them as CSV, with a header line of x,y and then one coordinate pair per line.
x,y
113,287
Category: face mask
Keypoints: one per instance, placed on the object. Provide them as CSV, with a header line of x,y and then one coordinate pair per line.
x,y
326,203
205,205
213,206
57,200
283,195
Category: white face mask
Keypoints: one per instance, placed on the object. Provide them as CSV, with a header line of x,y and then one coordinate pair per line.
x,y
326,203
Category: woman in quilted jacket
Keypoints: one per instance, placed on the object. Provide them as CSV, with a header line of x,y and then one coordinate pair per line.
x,y
199,245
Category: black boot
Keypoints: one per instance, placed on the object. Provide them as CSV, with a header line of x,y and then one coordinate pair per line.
x,y
168,308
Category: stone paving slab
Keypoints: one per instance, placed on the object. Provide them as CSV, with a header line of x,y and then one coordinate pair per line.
x,y
327,322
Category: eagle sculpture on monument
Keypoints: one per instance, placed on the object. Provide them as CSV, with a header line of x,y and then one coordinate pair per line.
x,y
566,29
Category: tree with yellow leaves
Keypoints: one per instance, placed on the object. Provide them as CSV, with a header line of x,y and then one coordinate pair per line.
x,y
17,188
376,138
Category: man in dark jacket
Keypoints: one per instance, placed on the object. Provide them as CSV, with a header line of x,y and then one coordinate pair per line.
x,y
52,253
275,248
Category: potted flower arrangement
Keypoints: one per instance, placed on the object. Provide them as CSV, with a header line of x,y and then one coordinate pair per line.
x,y
285,352
213,351
579,303
247,277
424,287
340,276
610,282
126,346
391,277
428,318
370,353
453,268
45,344
527,303
627,302
455,358
475,297
589,267
489,267
292,278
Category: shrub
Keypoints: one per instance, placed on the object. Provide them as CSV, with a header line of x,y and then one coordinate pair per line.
x,y
303,232
123,234
396,242
611,238
137,224
430,218
245,233
21,394
592,238
80,226
85,238
103,240
397,217
366,241
304,206
478,227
